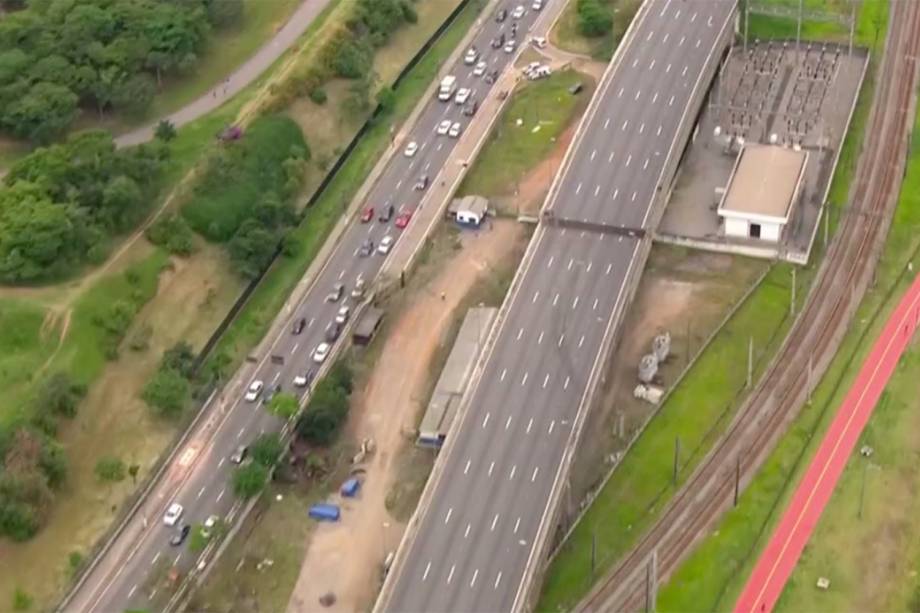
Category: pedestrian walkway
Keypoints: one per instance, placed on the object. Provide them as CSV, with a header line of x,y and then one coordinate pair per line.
x,y
246,73
782,552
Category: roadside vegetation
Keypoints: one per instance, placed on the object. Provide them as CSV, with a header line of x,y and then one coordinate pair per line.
x,y
96,55
643,483
867,525
594,27
526,133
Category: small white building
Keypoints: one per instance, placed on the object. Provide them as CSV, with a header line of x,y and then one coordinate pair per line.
x,y
469,210
762,192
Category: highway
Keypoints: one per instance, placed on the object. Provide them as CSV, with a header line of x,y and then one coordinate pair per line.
x,y
480,530
132,574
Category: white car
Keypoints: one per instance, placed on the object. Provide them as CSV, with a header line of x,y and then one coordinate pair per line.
x,y
322,350
255,388
386,243
463,94
480,69
342,316
537,5
300,381
208,528
471,56
173,513
509,46
411,149
455,130
518,12
538,41
444,127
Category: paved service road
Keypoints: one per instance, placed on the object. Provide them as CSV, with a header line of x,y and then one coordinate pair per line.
x,y
200,479
478,534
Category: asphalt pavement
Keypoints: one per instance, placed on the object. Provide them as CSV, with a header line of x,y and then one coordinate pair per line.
x,y
199,480
479,532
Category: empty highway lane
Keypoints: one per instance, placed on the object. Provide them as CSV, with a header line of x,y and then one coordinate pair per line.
x,y
477,536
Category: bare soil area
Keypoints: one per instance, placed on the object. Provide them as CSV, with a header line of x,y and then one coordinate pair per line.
x,y
345,558
684,292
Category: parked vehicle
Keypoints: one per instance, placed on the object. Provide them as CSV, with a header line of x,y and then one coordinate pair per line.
x,y
386,243
350,488
538,41
173,513
179,535
321,353
332,332
239,454
403,219
447,87
299,325
336,294
255,388
358,291
463,95
325,512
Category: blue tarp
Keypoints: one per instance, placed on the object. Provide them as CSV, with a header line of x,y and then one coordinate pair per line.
x,y
325,512
350,487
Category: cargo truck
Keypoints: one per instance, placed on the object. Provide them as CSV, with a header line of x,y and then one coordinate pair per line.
x,y
448,85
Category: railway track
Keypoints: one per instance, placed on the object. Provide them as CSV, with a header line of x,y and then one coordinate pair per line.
x,y
809,347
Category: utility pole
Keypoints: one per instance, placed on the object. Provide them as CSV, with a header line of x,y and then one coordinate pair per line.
x,y
676,457
827,222
747,14
737,479
808,380
798,27
651,577
593,553
687,357
852,27
792,296
750,372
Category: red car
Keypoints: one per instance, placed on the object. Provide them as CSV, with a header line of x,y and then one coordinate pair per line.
x,y
402,220
367,215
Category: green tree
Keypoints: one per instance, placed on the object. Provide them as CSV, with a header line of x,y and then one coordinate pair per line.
x,y
594,19
167,393
249,480
42,114
252,248
284,406
59,394
165,130
133,470
22,601
267,449
134,94
180,358
122,202
110,468
386,98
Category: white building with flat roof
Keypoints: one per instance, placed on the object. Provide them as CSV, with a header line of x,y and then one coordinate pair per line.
x,y
762,192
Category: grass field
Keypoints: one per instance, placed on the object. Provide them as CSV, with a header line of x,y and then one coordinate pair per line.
x,y
254,320
869,561
567,36
525,134
636,494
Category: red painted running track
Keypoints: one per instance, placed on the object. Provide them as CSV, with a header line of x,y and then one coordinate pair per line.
x,y
786,544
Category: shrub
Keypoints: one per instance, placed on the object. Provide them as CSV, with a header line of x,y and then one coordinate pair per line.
x,y
173,234
249,480
60,395
594,19
328,407
266,449
318,95
110,469
167,392
22,601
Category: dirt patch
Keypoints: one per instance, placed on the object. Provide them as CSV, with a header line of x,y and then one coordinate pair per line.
x,y
535,185
686,293
345,558
114,414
